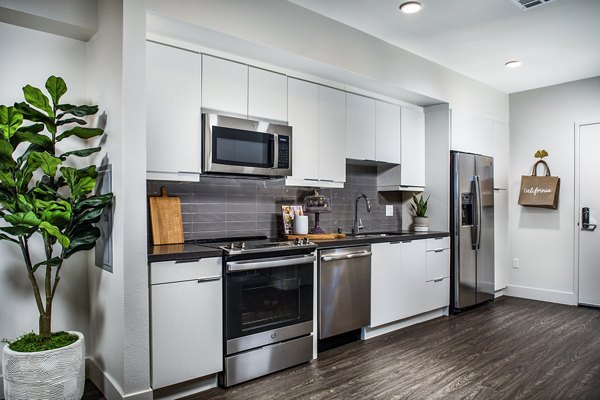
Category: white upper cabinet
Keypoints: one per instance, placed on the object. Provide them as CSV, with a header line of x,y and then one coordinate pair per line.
x,y
412,169
360,127
173,119
224,86
471,133
484,135
387,128
462,135
303,117
267,95
500,155
332,135
317,115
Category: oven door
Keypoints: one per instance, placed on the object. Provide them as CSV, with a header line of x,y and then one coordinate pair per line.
x,y
267,301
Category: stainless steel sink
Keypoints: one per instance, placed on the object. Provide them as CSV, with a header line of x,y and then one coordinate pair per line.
x,y
370,235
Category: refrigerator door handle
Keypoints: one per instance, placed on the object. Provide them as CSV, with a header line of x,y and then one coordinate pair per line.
x,y
477,244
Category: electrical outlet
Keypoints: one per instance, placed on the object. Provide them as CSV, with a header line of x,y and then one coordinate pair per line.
x,y
515,263
389,210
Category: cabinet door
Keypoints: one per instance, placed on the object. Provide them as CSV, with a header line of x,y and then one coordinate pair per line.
x,y
462,132
501,258
224,86
267,95
332,135
173,119
360,127
412,170
414,272
438,264
386,275
398,275
387,130
483,135
500,155
437,294
303,117
187,331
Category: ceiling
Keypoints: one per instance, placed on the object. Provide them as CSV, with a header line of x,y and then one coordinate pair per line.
x,y
557,42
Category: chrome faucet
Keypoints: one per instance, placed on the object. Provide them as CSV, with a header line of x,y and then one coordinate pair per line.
x,y
355,225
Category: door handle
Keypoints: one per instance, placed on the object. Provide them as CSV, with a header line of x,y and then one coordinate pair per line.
x,y
585,220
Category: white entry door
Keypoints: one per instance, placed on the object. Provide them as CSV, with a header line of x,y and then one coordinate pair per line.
x,y
588,188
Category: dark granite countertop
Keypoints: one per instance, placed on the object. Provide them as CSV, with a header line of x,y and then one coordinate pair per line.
x,y
378,237
185,251
189,251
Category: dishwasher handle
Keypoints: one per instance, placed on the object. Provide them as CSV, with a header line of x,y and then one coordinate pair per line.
x,y
346,256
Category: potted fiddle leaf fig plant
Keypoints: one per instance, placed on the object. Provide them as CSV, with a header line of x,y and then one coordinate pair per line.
x,y
419,207
46,197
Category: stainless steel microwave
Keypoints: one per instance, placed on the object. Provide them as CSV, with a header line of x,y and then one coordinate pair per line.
x,y
245,147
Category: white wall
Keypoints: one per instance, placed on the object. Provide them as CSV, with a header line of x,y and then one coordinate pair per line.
x,y
107,317
30,57
543,239
77,19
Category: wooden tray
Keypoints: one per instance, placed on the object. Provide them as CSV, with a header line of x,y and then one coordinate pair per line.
x,y
318,236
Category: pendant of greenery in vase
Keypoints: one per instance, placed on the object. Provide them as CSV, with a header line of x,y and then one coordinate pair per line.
x,y
42,194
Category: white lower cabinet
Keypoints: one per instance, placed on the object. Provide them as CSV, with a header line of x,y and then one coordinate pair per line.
x,y
408,279
186,320
437,286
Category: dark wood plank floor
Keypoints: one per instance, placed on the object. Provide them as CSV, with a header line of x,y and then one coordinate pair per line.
x,y
509,349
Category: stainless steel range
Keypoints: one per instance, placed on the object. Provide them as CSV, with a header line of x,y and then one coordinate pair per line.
x,y
268,307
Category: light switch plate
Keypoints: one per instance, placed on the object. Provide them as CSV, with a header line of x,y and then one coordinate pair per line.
x,y
389,210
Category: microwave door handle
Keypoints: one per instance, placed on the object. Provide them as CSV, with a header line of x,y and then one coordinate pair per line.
x,y
275,150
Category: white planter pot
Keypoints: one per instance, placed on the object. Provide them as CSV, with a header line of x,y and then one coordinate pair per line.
x,y
421,224
50,374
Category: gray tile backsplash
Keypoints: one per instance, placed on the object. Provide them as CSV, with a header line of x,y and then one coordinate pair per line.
x,y
220,207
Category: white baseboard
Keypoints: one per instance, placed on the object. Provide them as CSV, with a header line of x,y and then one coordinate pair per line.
x,y
499,293
368,332
108,387
551,296
186,388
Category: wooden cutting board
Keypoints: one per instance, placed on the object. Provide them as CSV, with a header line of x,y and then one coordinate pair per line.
x,y
318,236
165,218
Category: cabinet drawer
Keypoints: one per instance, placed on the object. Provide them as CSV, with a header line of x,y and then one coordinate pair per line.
x,y
438,264
438,243
173,271
437,294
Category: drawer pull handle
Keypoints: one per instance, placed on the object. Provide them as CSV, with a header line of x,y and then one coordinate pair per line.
x,y
438,250
211,279
439,279
187,261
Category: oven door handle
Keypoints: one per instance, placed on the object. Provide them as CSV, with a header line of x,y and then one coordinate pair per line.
x,y
236,266
346,256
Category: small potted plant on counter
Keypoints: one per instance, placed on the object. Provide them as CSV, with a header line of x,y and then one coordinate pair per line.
x,y
45,199
419,206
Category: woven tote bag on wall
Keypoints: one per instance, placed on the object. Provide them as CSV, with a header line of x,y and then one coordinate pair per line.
x,y
539,191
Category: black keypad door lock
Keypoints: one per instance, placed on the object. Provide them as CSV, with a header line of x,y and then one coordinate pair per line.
x,y
585,220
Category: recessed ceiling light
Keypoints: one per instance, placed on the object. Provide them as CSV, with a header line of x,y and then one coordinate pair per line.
x,y
411,7
513,64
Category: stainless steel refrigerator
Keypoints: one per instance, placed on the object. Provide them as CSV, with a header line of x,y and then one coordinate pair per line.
x,y
471,230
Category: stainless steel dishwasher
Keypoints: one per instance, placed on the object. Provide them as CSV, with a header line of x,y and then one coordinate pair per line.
x,y
344,290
